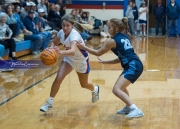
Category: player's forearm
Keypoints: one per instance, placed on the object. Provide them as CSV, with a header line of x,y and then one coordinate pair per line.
x,y
92,51
67,52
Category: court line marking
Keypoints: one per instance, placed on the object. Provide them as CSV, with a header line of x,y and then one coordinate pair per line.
x,y
26,89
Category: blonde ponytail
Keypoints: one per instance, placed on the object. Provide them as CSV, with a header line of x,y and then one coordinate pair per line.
x,y
119,24
81,27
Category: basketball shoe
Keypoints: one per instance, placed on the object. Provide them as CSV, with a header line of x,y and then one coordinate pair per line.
x,y
95,94
124,110
46,107
134,113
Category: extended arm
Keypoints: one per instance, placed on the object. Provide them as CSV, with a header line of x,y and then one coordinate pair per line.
x,y
114,61
110,44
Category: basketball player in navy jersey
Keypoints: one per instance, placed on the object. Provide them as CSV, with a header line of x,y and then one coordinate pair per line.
x,y
133,67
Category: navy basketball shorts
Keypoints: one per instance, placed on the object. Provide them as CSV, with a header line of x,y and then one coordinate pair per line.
x,y
133,70
142,22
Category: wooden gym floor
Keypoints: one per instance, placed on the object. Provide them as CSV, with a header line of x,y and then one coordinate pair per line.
x,y
157,92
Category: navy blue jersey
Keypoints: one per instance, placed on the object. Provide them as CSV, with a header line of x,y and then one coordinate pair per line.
x,y
124,49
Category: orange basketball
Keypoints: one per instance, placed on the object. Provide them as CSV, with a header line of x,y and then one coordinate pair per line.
x,y
49,57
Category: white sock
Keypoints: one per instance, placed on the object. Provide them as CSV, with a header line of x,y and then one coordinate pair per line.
x,y
50,100
133,106
95,89
144,33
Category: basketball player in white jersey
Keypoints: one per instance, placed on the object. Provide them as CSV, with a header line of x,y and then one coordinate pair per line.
x,y
74,58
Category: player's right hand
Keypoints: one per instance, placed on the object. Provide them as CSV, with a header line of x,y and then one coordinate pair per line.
x,y
100,61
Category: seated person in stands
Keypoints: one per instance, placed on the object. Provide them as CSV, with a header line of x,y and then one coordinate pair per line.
x,y
5,67
11,21
74,13
78,14
20,26
84,18
63,10
5,36
36,38
57,9
24,12
42,5
1,9
54,17
34,8
40,25
84,34
105,32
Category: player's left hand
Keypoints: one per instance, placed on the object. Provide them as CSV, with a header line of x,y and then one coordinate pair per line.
x,y
56,48
80,45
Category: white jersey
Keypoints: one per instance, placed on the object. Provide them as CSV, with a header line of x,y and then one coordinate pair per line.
x,y
80,55
143,16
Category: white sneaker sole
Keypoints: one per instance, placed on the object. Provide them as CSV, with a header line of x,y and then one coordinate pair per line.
x,y
130,118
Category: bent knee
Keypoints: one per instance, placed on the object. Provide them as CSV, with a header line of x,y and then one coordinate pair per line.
x,y
114,91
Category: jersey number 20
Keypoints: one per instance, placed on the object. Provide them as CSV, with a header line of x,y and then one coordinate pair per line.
x,y
127,44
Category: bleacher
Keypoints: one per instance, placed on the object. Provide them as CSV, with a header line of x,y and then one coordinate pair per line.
x,y
22,48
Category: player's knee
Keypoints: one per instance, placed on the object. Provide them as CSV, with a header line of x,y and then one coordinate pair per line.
x,y
114,90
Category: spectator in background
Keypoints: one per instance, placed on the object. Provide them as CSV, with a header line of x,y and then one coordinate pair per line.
x,y
160,13
60,3
36,38
11,21
130,16
5,37
84,33
84,18
34,8
172,12
143,11
57,9
78,15
20,25
17,10
54,17
63,10
24,12
73,13
43,6
47,5
40,25
136,15
105,32
1,9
